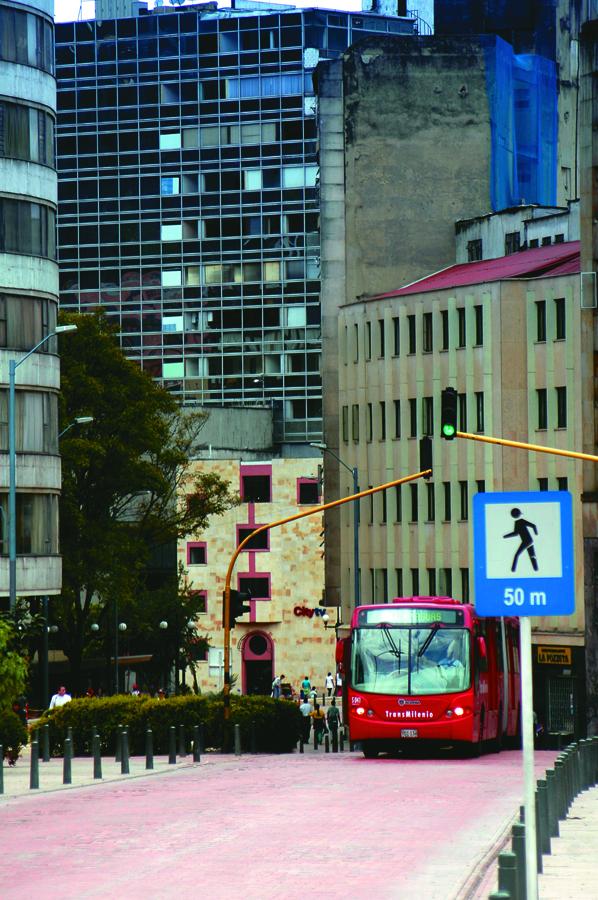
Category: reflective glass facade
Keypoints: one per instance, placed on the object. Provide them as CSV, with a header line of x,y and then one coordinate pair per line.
x,y
188,196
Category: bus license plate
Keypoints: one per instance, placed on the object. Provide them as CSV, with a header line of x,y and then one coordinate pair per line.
x,y
408,732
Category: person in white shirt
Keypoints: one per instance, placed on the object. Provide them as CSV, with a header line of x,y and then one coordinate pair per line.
x,y
329,684
60,698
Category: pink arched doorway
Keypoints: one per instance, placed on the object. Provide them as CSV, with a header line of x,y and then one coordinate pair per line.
x,y
258,663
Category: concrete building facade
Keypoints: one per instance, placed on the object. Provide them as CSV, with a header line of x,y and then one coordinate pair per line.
x,y
29,292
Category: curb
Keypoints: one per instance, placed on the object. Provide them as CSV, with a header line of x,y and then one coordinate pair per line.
x,y
481,871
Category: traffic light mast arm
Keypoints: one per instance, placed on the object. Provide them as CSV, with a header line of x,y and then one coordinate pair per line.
x,y
309,512
537,448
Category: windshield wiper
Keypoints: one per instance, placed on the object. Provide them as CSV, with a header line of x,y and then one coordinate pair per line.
x,y
396,651
428,640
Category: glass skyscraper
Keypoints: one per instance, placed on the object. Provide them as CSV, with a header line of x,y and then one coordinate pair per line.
x,y
188,195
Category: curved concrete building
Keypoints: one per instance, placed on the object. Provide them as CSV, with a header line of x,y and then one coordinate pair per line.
x,y
29,293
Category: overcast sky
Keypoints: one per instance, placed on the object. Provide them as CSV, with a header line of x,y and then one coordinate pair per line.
x,y
68,10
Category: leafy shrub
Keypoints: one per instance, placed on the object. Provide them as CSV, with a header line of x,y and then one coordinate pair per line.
x,y
13,734
276,725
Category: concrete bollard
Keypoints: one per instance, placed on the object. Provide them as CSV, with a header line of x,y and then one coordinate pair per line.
x,y
326,744
507,873
559,771
46,743
182,742
237,739
301,750
149,748
118,752
196,747
323,699
539,835
342,742
69,734
172,745
34,766
552,796
1,769
97,755
335,740
66,763
543,815
315,739
518,848
124,762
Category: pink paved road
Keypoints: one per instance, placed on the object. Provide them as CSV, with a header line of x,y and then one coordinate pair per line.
x,y
273,828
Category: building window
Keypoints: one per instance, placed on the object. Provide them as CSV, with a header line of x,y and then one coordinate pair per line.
x,y
308,492
559,312
462,403
428,334
27,228
461,326
396,329
197,553
512,242
428,415
480,486
345,423
382,409
383,510
399,582
540,321
465,585
415,582
256,488
355,421
447,500
371,504
412,336
542,484
546,241
479,410
542,409
464,500
562,484
431,502
397,409
414,504
257,585
432,582
445,328
260,541
381,338
398,504
479,325
413,418
201,608
533,243
559,238
561,407
368,340
474,250
368,422
446,582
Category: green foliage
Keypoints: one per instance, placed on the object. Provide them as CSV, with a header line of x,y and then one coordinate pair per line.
x,y
13,667
13,734
277,722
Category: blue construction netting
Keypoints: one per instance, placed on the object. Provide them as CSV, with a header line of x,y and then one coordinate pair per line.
x,y
522,99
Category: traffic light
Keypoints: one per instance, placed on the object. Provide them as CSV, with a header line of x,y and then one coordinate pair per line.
x,y
425,456
238,599
448,414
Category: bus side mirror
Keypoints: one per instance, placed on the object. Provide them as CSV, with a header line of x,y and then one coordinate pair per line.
x,y
482,648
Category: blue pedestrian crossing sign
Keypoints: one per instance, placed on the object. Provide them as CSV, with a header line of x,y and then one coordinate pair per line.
x,y
523,554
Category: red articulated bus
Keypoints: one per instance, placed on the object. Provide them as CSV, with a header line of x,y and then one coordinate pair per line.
x,y
429,670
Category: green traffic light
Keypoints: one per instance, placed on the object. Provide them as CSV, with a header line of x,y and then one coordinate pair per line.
x,y
448,430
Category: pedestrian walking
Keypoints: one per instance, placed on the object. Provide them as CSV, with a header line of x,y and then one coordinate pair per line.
x,y
333,718
319,723
276,686
329,684
306,686
305,709
60,698
339,684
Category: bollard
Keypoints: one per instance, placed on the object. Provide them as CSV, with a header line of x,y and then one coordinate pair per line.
x,y
253,738
326,744
559,771
172,745
342,742
97,755
149,748
335,740
544,830
46,743
539,829
301,745
69,734
518,848
323,698
118,752
196,748
66,763
182,742
552,794
507,873
124,762
315,739
237,739
34,766
1,769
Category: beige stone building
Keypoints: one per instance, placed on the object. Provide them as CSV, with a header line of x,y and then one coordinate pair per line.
x,y
506,334
285,631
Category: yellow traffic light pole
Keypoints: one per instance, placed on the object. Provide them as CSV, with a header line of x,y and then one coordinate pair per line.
x,y
538,448
310,512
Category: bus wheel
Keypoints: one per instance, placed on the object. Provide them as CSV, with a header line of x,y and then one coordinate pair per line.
x,y
370,751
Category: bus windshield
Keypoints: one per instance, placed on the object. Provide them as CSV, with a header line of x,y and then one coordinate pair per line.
x,y
410,660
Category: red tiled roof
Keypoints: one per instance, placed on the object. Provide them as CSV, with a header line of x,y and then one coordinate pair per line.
x,y
556,259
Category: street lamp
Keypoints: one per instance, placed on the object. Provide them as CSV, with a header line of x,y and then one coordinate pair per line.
x,y
79,420
324,448
13,365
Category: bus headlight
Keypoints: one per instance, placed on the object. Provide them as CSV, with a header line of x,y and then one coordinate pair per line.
x,y
360,711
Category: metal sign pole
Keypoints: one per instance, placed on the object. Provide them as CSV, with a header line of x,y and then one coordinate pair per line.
x,y
527,730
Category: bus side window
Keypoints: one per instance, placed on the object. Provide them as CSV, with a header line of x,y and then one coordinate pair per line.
x,y
481,653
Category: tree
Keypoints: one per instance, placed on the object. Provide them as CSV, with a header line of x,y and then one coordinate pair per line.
x,y
122,480
13,667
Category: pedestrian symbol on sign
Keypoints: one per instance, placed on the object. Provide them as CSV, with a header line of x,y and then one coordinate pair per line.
x,y
521,529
